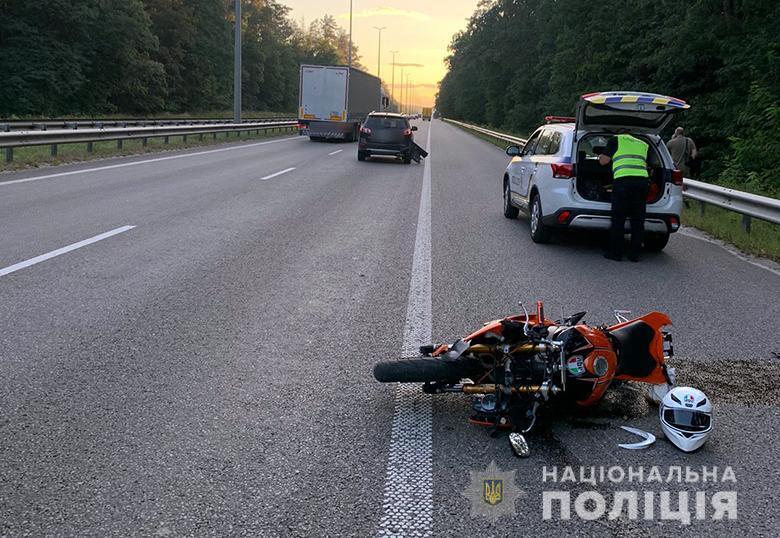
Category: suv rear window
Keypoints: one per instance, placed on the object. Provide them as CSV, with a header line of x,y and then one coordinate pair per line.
x,y
604,115
386,122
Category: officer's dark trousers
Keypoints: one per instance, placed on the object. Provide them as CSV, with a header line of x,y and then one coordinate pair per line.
x,y
629,199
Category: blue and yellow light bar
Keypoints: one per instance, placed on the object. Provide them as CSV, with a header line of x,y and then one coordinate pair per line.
x,y
614,98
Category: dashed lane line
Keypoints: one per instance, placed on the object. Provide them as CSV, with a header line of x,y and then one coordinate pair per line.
x,y
64,250
145,161
279,173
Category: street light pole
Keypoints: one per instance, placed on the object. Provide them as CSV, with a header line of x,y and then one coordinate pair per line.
x,y
392,84
401,101
379,52
408,93
349,47
237,66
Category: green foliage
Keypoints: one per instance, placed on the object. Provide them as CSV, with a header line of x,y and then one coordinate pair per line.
x,y
87,57
519,60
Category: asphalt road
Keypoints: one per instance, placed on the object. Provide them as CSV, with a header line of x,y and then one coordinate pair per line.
x,y
208,371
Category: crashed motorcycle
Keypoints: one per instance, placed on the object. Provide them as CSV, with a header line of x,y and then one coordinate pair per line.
x,y
515,365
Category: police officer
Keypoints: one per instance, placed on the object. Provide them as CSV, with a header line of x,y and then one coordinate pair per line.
x,y
631,181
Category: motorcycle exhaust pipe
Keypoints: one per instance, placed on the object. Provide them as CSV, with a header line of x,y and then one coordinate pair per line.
x,y
545,389
491,388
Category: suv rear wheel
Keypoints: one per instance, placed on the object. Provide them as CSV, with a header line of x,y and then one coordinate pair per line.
x,y
510,211
655,242
539,232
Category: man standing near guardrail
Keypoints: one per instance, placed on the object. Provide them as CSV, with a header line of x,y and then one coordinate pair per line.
x,y
630,183
683,151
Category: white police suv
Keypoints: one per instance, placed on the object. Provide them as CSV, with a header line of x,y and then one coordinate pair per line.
x,y
557,180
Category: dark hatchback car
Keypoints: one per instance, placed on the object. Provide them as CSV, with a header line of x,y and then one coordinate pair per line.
x,y
386,134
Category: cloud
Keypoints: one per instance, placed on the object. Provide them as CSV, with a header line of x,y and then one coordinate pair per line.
x,y
426,86
400,64
386,11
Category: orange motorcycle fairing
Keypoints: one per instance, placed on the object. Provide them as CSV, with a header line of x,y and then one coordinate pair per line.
x,y
600,362
655,350
495,326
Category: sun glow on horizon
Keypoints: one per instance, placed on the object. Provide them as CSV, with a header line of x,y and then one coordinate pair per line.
x,y
419,31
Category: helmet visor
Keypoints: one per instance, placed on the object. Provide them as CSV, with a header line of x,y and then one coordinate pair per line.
x,y
687,419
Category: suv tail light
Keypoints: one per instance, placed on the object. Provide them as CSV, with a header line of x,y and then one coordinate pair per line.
x,y
562,170
301,126
677,177
407,132
365,130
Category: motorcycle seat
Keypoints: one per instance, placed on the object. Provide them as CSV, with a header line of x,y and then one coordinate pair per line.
x,y
634,358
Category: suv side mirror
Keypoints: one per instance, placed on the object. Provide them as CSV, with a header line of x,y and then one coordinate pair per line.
x,y
513,151
414,127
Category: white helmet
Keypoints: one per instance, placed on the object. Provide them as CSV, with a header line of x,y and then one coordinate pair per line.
x,y
686,417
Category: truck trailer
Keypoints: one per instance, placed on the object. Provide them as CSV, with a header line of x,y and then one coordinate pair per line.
x,y
334,100
427,112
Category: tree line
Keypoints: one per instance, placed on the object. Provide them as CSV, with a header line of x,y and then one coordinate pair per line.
x,y
519,60
89,57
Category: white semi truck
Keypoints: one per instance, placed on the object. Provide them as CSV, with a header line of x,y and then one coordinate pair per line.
x,y
334,100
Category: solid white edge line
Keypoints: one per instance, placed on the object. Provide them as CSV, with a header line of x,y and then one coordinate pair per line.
x,y
695,233
54,253
279,173
408,494
145,161
335,152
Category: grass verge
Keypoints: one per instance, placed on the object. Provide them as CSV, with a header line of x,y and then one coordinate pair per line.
x,y
39,156
763,239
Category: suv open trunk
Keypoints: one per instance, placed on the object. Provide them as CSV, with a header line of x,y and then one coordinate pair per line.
x,y
594,181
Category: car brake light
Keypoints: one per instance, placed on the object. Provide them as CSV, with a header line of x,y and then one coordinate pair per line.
x,y
301,126
407,132
674,222
677,177
563,217
562,170
365,130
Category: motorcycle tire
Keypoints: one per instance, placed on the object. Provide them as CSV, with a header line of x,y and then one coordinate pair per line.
x,y
425,370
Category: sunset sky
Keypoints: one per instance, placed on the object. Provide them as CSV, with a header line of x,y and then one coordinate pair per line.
x,y
419,29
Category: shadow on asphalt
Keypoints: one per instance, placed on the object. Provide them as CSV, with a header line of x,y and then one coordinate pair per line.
x,y
588,242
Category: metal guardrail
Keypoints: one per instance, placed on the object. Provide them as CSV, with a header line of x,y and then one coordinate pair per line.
x,y
99,123
746,204
487,132
15,139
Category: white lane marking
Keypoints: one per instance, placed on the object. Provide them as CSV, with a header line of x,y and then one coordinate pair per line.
x,y
279,173
334,152
43,257
702,236
145,161
408,494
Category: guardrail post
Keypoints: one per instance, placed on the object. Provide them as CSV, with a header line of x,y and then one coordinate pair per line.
x,y
184,138
54,150
165,140
144,142
9,154
200,137
119,144
215,136
90,147
702,207
746,222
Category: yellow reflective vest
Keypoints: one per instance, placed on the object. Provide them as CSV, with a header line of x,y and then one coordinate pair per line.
x,y
630,159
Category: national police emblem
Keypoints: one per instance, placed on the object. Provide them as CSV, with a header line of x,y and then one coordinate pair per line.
x,y
492,493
